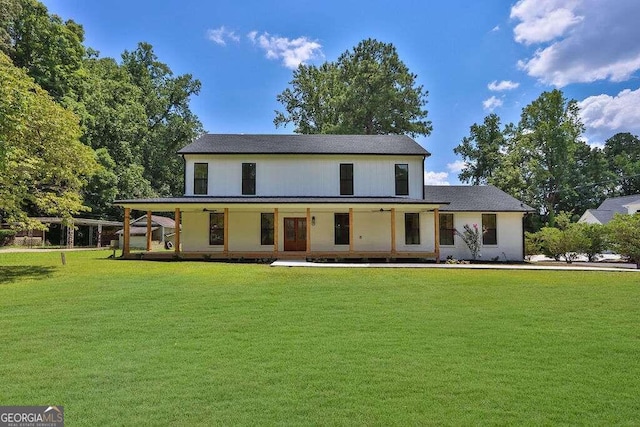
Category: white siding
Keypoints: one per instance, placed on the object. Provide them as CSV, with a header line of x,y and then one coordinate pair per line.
x,y
306,175
509,231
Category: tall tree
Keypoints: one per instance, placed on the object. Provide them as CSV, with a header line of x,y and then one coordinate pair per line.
x,y
368,90
170,122
622,152
483,150
44,165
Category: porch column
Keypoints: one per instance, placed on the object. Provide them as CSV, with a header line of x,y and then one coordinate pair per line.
x,y
350,230
125,232
436,233
393,231
176,239
148,231
99,245
275,231
308,231
226,230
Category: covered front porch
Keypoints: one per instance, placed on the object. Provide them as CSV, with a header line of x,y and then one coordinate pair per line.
x,y
221,229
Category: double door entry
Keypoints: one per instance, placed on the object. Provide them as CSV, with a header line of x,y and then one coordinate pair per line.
x,y
295,234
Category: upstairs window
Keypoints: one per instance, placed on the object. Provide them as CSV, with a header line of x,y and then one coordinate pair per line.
x,y
200,178
489,229
341,221
402,180
216,229
412,228
249,178
266,229
346,179
446,229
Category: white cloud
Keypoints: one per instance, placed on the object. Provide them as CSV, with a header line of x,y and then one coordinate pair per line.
x,y
604,115
581,41
456,166
543,21
436,178
293,52
496,28
492,103
496,86
221,35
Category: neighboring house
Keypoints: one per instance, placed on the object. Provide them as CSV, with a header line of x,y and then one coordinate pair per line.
x,y
85,232
162,231
325,196
611,206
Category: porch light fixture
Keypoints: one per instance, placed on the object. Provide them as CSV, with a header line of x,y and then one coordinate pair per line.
x,y
313,220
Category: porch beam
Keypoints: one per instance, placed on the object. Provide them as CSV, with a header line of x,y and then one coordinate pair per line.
x,y
308,231
436,233
125,232
226,230
176,239
350,230
393,231
148,231
275,231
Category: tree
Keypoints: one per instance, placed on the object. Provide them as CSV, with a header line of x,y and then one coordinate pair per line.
x,y
622,153
482,150
368,90
170,122
594,239
624,235
44,165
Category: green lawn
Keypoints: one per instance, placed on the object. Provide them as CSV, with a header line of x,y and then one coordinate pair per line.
x,y
138,343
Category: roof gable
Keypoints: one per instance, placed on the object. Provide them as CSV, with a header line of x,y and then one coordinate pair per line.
x,y
617,204
304,144
474,198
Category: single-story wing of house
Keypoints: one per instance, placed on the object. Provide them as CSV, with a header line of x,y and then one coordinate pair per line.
x,y
604,213
326,196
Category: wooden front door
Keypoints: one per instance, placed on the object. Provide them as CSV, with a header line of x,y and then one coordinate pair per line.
x,y
295,234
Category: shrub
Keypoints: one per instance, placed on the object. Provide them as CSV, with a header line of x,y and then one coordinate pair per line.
x,y
6,236
471,236
624,234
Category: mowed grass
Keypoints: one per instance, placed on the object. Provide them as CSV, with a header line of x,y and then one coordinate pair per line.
x,y
140,343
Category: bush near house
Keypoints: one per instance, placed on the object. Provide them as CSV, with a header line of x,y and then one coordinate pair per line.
x,y
624,234
6,236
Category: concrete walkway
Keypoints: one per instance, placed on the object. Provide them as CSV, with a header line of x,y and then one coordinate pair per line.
x,y
572,267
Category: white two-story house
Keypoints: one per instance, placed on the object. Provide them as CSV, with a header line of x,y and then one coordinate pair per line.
x,y
324,196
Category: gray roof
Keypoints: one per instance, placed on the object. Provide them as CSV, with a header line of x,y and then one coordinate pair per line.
x,y
278,200
474,198
155,220
304,144
616,204
603,216
612,206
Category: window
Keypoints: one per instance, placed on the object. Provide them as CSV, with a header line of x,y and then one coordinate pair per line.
x,y
489,229
248,178
402,180
446,229
200,178
266,229
341,221
346,179
412,228
216,229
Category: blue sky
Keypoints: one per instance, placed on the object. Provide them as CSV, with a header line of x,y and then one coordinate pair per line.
x,y
473,57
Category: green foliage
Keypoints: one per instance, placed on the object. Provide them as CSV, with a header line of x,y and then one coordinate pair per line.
x,y
622,152
44,165
624,235
565,241
594,239
368,90
482,150
6,236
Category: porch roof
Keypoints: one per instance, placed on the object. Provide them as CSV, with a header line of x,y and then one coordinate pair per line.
x,y
191,203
